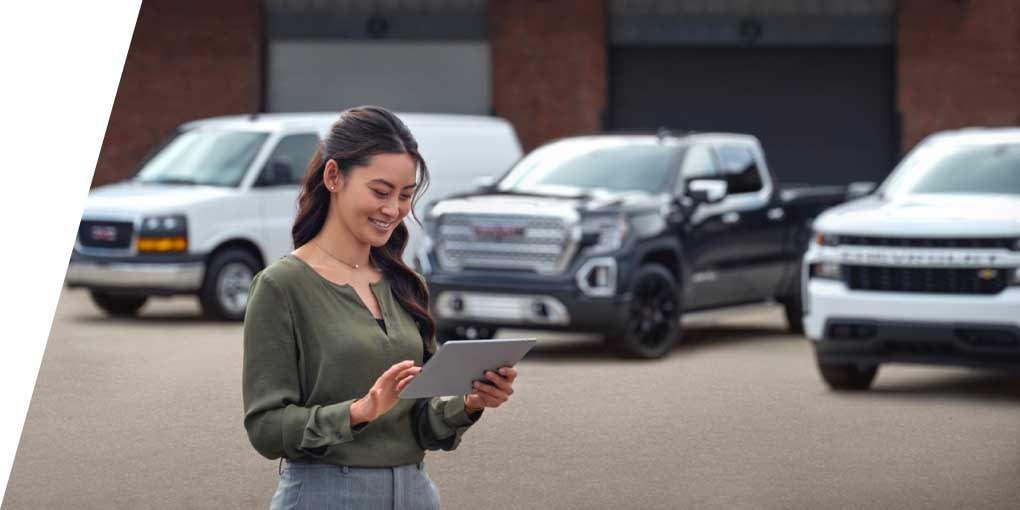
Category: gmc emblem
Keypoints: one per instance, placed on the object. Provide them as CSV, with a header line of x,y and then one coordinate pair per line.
x,y
498,231
106,234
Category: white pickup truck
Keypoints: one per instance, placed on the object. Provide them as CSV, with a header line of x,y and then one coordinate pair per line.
x,y
925,270
215,203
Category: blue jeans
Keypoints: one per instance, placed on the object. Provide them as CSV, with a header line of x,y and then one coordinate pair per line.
x,y
326,486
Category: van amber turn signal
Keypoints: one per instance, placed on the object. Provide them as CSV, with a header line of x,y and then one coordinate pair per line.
x,y
162,244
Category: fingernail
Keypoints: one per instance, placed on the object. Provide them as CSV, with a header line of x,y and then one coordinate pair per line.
x,y
502,371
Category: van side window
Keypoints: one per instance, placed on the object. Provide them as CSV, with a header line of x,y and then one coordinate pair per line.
x,y
286,165
740,169
699,162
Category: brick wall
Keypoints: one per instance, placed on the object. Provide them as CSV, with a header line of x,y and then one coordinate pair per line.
x,y
958,65
188,59
549,68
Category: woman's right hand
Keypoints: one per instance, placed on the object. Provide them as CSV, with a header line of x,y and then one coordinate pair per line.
x,y
384,394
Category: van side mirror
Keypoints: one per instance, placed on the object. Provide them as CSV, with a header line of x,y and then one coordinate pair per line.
x,y
706,191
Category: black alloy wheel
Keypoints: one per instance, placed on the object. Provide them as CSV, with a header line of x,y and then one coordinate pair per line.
x,y
652,324
118,305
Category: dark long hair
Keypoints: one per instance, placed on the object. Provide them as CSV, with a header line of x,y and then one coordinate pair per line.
x,y
361,133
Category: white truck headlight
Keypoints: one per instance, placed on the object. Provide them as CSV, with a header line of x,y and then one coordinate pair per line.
x,y
823,239
602,234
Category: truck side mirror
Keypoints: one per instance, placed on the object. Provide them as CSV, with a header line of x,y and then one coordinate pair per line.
x,y
706,191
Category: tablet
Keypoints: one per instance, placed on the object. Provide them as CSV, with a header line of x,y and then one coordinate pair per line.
x,y
457,363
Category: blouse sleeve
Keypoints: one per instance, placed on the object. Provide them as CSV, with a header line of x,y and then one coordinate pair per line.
x,y
440,422
277,425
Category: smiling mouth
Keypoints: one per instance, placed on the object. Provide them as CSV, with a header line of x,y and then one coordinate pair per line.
x,y
381,224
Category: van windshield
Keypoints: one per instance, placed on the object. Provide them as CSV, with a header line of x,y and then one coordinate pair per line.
x,y
958,168
203,157
586,165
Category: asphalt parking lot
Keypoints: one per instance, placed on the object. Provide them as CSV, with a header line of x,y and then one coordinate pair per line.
x,y
146,413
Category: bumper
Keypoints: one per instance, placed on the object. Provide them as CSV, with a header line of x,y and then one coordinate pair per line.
x,y
182,275
484,299
877,327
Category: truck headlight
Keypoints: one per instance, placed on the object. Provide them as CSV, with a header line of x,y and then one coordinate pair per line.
x,y
823,239
601,234
827,270
163,234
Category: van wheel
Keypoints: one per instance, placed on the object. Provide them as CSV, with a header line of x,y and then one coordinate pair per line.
x,y
118,305
224,293
652,324
848,377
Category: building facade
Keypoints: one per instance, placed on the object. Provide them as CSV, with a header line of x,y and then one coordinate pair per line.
x,y
836,90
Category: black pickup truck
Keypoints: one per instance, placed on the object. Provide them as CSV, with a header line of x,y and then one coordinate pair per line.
x,y
620,234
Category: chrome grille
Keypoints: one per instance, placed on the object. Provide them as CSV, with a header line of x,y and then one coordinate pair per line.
x,y
105,234
541,244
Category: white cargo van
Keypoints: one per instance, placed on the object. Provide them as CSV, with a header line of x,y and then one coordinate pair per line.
x,y
215,203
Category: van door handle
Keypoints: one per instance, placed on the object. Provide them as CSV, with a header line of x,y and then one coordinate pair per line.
x,y
776,213
730,218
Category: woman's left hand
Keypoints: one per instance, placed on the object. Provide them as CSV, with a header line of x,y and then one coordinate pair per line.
x,y
494,394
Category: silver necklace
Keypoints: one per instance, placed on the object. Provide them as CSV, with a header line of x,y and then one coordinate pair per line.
x,y
334,257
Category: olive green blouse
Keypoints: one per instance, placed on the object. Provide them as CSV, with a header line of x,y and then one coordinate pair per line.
x,y
311,347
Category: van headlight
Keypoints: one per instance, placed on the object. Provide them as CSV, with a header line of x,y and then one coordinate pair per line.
x,y
163,234
602,234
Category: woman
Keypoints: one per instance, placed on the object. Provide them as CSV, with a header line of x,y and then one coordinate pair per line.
x,y
336,329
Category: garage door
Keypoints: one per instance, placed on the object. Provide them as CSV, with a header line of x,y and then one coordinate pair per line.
x,y
824,115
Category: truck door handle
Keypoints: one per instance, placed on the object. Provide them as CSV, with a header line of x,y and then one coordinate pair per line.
x,y
730,218
776,213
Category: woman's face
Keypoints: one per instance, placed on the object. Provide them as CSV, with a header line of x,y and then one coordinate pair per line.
x,y
373,199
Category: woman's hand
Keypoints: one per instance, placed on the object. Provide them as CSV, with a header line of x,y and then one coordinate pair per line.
x,y
384,394
491,395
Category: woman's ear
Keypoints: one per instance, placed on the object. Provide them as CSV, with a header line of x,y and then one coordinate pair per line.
x,y
331,177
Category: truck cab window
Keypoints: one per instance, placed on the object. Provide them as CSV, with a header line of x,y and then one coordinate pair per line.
x,y
286,165
740,169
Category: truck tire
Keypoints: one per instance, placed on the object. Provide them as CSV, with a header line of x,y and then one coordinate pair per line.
x,y
118,305
652,324
794,309
848,377
224,293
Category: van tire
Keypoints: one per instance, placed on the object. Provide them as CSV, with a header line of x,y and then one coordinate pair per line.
x,y
848,377
652,322
118,305
228,277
